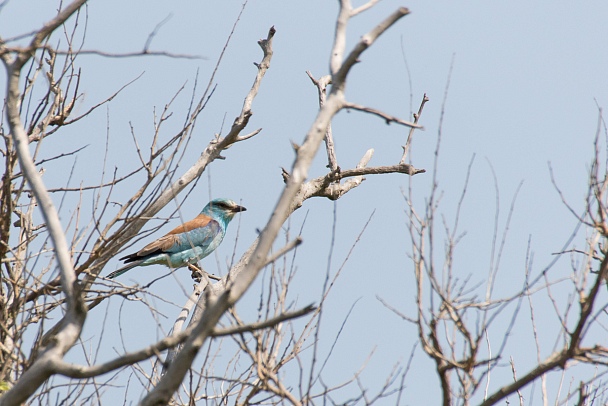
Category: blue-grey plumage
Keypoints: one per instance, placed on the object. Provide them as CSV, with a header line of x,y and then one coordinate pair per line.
x,y
188,243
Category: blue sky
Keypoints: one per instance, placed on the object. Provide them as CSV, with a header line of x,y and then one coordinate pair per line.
x,y
526,82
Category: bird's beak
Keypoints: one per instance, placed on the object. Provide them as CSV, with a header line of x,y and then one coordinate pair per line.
x,y
237,209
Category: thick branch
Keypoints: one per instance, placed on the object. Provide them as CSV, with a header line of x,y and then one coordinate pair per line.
x,y
71,326
328,186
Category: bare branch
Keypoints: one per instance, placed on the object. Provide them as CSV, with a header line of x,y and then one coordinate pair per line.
x,y
364,7
388,118
134,54
75,313
366,41
408,143
155,31
288,247
264,324
321,86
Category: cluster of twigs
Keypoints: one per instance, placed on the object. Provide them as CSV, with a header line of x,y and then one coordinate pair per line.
x,y
468,335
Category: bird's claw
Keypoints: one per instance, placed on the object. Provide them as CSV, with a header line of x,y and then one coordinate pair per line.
x,y
197,273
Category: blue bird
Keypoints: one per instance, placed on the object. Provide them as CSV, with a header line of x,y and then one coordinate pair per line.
x,y
188,243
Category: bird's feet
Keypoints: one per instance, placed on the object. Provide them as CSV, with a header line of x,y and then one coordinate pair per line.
x,y
197,273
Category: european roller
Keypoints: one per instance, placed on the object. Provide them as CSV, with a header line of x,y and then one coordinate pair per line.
x,y
188,243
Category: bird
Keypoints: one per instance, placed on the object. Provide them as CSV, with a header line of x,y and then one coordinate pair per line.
x,y
188,243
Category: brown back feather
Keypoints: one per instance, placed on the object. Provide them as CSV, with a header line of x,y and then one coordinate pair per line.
x,y
199,221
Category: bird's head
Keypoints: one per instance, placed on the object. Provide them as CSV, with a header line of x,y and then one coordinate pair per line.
x,y
222,208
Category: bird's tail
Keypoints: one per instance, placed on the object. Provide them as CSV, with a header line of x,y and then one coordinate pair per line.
x,y
124,269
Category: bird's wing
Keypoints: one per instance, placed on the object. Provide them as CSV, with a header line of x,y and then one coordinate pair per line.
x,y
163,244
197,232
